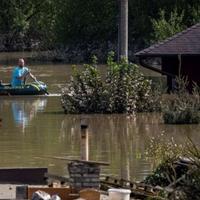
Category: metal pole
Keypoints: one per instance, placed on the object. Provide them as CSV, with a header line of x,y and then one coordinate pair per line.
x,y
123,30
84,142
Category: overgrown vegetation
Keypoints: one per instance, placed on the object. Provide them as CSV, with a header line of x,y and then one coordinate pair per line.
x,y
124,89
178,174
181,107
162,149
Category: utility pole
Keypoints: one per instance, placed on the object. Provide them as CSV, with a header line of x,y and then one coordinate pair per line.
x,y
123,30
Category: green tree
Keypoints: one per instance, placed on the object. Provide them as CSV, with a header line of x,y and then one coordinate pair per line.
x,y
86,20
166,27
26,19
59,23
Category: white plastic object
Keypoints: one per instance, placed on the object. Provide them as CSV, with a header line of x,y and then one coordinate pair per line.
x,y
119,194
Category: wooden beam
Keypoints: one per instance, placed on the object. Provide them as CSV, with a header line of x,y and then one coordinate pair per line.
x,y
142,63
23,175
77,160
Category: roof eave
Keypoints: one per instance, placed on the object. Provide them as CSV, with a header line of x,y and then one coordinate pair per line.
x,y
164,55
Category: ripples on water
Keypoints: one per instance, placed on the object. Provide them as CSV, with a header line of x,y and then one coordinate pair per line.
x,y
35,127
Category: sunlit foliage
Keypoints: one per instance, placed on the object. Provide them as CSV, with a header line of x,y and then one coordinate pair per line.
x,y
123,90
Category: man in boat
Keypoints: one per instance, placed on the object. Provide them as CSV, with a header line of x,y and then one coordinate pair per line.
x,y
20,73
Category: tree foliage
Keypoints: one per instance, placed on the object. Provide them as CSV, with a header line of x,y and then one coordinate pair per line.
x,y
86,20
164,28
55,23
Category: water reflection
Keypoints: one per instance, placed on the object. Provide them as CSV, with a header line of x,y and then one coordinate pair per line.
x,y
122,141
114,139
117,139
24,110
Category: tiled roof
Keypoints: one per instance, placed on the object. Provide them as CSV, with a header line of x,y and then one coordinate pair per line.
x,y
186,42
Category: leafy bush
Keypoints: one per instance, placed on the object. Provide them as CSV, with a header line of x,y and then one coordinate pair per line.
x,y
181,107
85,93
123,90
129,90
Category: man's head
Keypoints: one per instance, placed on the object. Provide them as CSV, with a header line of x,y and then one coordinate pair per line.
x,y
21,62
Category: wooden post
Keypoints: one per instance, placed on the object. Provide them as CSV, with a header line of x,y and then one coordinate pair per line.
x,y
123,30
84,142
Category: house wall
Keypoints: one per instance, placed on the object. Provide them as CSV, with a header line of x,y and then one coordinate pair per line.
x,y
190,68
170,64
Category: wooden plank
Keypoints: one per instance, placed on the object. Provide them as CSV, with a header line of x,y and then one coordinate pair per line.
x,y
77,160
142,63
92,162
7,191
90,194
23,175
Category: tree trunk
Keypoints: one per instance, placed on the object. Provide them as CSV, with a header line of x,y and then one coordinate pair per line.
x,y
123,30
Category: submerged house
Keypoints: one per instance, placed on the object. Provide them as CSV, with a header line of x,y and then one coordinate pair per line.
x,y
179,55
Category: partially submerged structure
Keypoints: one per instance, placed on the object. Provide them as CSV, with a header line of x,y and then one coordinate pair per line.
x,y
179,54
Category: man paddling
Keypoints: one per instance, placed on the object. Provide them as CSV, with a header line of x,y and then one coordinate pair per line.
x,y
20,73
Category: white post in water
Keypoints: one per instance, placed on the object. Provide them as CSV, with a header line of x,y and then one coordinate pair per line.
x,y
123,30
84,141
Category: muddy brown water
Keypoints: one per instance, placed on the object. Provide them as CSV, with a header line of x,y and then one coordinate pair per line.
x,y
34,128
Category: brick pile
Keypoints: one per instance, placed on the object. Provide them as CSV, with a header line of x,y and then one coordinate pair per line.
x,y
84,175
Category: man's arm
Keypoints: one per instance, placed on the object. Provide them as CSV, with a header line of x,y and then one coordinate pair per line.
x,y
33,77
28,73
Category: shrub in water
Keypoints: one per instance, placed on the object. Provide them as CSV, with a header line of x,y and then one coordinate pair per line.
x,y
181,107
123,90
129,90
85,93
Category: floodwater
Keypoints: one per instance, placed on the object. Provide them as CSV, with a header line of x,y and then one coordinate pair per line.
x,y
35,129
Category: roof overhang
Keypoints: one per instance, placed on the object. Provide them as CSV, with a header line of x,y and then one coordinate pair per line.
x,y
164,55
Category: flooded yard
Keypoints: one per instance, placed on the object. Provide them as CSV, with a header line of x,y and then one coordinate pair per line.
x,y
33,129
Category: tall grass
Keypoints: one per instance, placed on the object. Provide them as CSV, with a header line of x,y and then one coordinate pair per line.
x,y
181,107
178,171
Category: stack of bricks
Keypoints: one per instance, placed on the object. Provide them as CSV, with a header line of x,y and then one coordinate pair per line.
x,y
84,175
